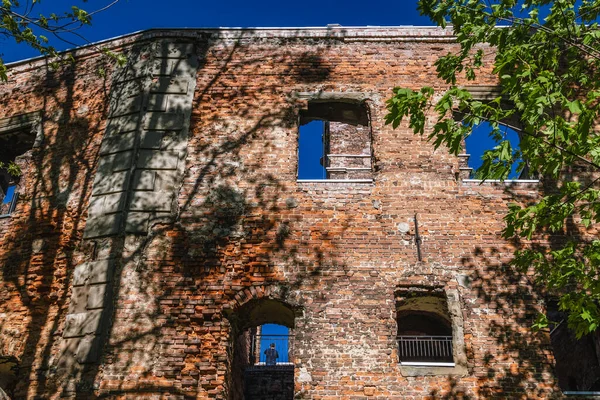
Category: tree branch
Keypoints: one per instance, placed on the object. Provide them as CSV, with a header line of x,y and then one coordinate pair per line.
x,y
545,141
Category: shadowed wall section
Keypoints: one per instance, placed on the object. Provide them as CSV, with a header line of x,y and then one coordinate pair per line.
x,y
138,175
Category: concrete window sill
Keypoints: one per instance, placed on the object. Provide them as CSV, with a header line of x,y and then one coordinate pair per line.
x,y
506,181
427,364
575,393
413,370
334,180
428,370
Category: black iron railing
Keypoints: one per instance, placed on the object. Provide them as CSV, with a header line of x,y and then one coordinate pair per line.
x,y
425,349
271,350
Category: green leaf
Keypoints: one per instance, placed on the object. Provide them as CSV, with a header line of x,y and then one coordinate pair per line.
x,y
574,106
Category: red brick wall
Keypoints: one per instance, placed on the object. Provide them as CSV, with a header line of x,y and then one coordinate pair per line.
x,y
336,253
41,242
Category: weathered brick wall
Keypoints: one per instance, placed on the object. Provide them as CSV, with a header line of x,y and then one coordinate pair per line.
x,y
41,242
335,254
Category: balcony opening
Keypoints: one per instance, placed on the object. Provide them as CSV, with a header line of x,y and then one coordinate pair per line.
x,y
424,332
263,360
334,141
271,346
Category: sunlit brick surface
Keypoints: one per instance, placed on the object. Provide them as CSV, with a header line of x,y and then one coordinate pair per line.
x,y
237,229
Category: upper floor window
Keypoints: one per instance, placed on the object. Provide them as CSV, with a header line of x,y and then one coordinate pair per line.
x,y
12,145
334,141
18,135
480,140
484,137
8,193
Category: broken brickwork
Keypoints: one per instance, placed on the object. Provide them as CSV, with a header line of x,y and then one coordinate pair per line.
x,y
161,218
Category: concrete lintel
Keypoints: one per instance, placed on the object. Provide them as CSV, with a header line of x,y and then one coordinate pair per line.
x,y
172,68
430,371
102,225
81,324
151,201
137,222
110,183
334,96
149,159
170,86
159,121
122,124
174,50
93,272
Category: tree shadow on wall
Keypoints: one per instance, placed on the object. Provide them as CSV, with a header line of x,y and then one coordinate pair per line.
x,y
39,251
234,227
502,304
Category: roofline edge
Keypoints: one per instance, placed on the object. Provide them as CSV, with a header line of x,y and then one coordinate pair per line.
x,y
156,32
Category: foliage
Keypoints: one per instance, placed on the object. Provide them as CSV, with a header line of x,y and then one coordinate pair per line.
x,y
21,21
546,56
12,168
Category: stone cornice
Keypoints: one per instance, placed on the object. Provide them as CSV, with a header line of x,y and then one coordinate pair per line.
x,y
345,34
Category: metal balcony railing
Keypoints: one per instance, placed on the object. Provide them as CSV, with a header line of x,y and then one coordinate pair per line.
x,y
263,353
425,350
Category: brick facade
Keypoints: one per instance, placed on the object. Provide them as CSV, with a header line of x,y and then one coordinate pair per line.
x,y
161,218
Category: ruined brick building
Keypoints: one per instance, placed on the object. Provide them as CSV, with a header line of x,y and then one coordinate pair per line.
x,y
160,225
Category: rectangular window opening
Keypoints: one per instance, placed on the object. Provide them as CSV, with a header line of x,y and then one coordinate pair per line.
x,y
427,335
577,360
334,142
13,145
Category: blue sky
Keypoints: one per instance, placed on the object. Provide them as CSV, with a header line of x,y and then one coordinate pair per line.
x,y
479,141
133,15
281,342
128,16
310,142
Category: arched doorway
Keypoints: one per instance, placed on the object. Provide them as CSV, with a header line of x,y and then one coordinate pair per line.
x,y
263,351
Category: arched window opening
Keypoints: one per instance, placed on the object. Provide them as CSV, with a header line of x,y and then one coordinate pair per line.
x,y
263,351
481,140
334,141
424,331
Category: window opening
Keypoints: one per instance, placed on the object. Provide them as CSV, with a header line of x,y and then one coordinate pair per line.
x,y
480,140
13,144
312,148
424,332
334,141
8,194
577,360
